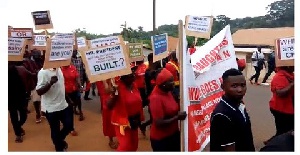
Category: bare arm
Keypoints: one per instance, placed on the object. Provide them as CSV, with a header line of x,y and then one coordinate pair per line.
x,y
44,89
284,92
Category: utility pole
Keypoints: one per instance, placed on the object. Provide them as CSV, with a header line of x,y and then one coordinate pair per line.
x,y
154,3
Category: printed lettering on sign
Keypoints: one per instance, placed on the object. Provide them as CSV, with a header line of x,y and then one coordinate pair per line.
x,y
160,43
81,42
15,46
61,49
286,47
65,36
199,24
40,40
106,59
107,41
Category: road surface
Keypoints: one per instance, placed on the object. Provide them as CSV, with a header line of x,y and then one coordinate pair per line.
x,y
91,138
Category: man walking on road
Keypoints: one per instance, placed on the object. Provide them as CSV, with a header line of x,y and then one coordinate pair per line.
x,y
52,90
258,61
271,68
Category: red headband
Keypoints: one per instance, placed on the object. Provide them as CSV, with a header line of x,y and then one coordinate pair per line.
x,y
163,76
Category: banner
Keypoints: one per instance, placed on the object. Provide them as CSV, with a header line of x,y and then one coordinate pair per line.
x,y
208,64
42,20
159,46
16,49
106,62
198,26
107,41
135,51
284,48
58,53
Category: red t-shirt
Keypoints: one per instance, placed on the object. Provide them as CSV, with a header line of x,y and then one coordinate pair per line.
x,y
170,67
140,76
128,104
162,105
281,104
192,50
70,74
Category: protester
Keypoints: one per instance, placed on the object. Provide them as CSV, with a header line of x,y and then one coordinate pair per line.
x,y
73,88
107,127
17,97
258,62
282,101
140,80
230,128
173,67
164,131
52,90
241,64
271,68
127,112
192,49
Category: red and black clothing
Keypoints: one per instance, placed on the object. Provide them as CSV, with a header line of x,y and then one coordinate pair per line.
x,y
282,107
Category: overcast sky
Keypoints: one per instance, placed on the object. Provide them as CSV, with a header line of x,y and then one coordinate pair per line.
x,y
106,16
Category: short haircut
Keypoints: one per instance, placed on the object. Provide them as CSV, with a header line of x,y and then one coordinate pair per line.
x,y
231,72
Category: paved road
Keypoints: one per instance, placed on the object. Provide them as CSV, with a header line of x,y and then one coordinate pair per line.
x,y
90,137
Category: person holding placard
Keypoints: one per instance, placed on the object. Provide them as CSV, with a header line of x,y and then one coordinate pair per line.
x,y
127,112
164,131
282,101
51,87
108,128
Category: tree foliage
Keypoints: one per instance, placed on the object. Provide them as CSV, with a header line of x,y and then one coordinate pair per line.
x,y
279,14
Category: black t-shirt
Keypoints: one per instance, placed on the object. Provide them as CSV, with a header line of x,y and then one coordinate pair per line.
x,y
230,126
283,142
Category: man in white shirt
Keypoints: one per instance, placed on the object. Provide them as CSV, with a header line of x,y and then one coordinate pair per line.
x,y
51,87
258,62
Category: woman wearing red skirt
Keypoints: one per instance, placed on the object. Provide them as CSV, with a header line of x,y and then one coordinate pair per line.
x,y
108,127
127,112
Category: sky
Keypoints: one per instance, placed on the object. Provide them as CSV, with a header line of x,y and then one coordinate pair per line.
x,y
106,16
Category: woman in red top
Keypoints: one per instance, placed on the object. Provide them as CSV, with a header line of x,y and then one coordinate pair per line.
x,y
282,101
73,87
127,112
103,88
164,131
173,67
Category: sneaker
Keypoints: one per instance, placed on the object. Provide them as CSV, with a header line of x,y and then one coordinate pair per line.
x,y
257,83
265,84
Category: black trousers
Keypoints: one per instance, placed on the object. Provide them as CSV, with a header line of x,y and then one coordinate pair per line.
x,y
143,96
256,75
18,116
283,122
168,144
270,71
58,135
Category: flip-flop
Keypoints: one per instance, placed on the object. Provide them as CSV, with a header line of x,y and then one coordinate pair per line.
x,y
113,145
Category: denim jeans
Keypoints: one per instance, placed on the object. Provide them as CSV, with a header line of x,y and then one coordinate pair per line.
x,y
58,135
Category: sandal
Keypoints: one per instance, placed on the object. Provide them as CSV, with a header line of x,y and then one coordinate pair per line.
x,y
74,133
81,117
113,145
19,139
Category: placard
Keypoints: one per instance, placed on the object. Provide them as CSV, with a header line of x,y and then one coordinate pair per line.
x,y
20,33
135,51
198,26
159,46
106,41
58,53
16,48
284,48
42,20
82,44
106,62
71,36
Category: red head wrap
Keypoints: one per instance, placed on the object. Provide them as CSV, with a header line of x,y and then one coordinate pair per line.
x,y
163,76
